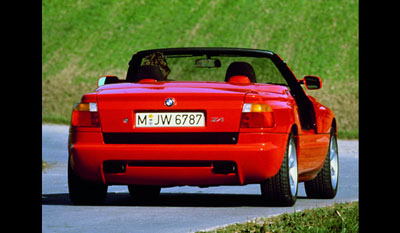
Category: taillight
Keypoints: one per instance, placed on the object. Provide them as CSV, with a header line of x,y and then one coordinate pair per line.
x,y
257,115
85,114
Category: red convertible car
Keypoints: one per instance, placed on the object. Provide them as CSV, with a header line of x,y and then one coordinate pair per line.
x,y
203,117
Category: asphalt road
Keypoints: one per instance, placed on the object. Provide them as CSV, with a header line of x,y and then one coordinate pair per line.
x,y
180,209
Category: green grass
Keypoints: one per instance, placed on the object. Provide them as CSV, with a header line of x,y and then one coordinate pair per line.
x,y
85,39
340,217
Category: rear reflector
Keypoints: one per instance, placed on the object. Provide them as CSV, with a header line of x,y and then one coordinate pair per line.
x,y
257,120
257,115
85,114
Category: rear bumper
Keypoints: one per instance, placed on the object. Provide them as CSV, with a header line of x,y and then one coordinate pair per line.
x,y
257,156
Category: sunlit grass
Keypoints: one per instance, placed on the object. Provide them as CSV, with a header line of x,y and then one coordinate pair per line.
x,y
83,40
340,217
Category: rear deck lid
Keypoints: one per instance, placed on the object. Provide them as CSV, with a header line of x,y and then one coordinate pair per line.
x,y
168,108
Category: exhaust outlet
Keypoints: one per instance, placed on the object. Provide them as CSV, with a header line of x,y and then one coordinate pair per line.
x,y
224,167
114,166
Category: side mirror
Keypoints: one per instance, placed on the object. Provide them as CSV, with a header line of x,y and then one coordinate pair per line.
x,y
311,82
107,80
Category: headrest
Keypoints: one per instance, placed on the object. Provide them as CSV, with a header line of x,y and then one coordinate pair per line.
x,y
149,72
240,68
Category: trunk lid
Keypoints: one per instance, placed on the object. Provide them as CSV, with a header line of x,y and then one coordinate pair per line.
x,y
126,108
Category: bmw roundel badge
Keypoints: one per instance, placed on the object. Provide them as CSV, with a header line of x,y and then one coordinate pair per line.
x,y
169,102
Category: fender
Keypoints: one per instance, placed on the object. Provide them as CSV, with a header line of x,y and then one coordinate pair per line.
x,y
324,116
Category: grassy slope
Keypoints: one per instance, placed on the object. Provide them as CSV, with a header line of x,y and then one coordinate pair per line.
x,y
85,39
340,217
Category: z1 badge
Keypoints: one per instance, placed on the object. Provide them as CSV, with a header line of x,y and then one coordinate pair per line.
x,y
217,119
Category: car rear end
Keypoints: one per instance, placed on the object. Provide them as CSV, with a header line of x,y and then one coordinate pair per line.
x,y
172,135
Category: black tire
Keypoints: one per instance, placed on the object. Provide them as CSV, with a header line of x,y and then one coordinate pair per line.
x,y
143,192
278,191
325,184
82,192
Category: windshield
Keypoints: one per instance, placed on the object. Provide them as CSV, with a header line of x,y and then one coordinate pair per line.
x,y
214,68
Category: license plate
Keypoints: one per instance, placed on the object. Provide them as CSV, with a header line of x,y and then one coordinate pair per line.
x,y
169,119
